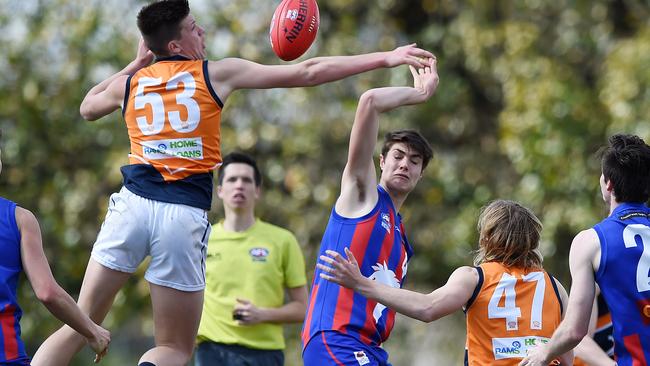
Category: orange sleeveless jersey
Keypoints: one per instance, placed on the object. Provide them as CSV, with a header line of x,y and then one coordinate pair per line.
x,y
513,311
173,118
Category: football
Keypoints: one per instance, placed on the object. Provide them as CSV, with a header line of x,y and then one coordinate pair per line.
x,y
293,28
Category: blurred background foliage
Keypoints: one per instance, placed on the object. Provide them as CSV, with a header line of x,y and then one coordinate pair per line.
x,y
529,90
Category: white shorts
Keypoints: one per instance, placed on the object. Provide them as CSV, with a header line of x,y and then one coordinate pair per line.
x,y
174,235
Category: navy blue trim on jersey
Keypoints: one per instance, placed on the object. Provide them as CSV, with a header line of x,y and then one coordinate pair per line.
x,y
145,181
126,94
477,289
206,75
557,292
173,58
466,363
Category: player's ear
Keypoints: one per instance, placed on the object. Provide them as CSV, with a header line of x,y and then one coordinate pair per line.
x,y
258,191
381,161
219,190
174,47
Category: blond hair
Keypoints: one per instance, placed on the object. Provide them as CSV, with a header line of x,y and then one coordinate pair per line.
x,y
509,234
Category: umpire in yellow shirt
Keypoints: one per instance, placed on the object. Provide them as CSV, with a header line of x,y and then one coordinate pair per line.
x,y
249,265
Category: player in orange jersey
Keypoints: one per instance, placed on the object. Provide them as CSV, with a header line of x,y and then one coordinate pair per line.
x,y
172,111
511,303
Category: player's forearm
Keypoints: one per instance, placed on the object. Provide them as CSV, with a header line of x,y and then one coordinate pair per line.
x,y
321,70
64,308
130,69
385,99
589,351
564,339
291,312
412,304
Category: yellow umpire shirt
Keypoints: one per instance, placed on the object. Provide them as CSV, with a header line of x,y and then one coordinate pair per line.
x,y
256,265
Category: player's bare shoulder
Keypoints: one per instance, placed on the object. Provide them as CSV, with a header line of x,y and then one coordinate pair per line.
x,y
24,217
586,247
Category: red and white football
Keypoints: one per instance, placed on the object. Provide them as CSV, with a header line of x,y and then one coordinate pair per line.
x,y
293,28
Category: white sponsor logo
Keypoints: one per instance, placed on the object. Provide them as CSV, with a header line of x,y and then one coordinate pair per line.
x,y
190,148
515,347
361,357
292,14
385,221
386,276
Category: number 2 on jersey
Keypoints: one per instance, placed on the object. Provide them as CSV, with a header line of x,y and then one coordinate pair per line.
x,y
510,311
643,268
155,100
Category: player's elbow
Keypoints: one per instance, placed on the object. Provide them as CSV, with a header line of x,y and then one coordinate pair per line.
x,y
368,100
425,316
576,334
48,294
312,73
427,313
87,112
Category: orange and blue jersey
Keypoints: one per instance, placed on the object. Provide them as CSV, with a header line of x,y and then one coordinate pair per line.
x,y
12,349
511,311
173,117
624,280
379,244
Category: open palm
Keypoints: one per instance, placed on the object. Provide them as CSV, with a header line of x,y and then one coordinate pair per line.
x,y
426,79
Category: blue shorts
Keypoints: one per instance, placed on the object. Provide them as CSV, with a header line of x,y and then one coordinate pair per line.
x,y
338,349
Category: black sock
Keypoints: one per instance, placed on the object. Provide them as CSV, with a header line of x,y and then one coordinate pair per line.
x,y
146,364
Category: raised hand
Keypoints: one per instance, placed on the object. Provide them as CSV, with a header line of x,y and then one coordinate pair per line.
x,y
410,55
344,272
425,79
144,56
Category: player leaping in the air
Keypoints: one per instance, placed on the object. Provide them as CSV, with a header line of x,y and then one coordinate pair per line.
x,y
341,327
511,303
172,111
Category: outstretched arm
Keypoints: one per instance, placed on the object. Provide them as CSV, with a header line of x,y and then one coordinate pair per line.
x,y
48,291
108,95
425,307
230,74
584,252
358,193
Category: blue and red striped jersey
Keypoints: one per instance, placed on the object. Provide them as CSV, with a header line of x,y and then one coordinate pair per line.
x,y
12,348
624,280
379,244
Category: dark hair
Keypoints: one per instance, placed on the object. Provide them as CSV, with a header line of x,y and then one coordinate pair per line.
x,y
159,23
237,157
626,163
412,139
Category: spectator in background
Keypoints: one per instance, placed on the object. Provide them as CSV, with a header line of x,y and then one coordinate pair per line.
x,y
250,264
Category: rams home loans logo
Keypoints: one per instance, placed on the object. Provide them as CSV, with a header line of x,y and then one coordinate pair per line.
x,y
259,254
515,347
